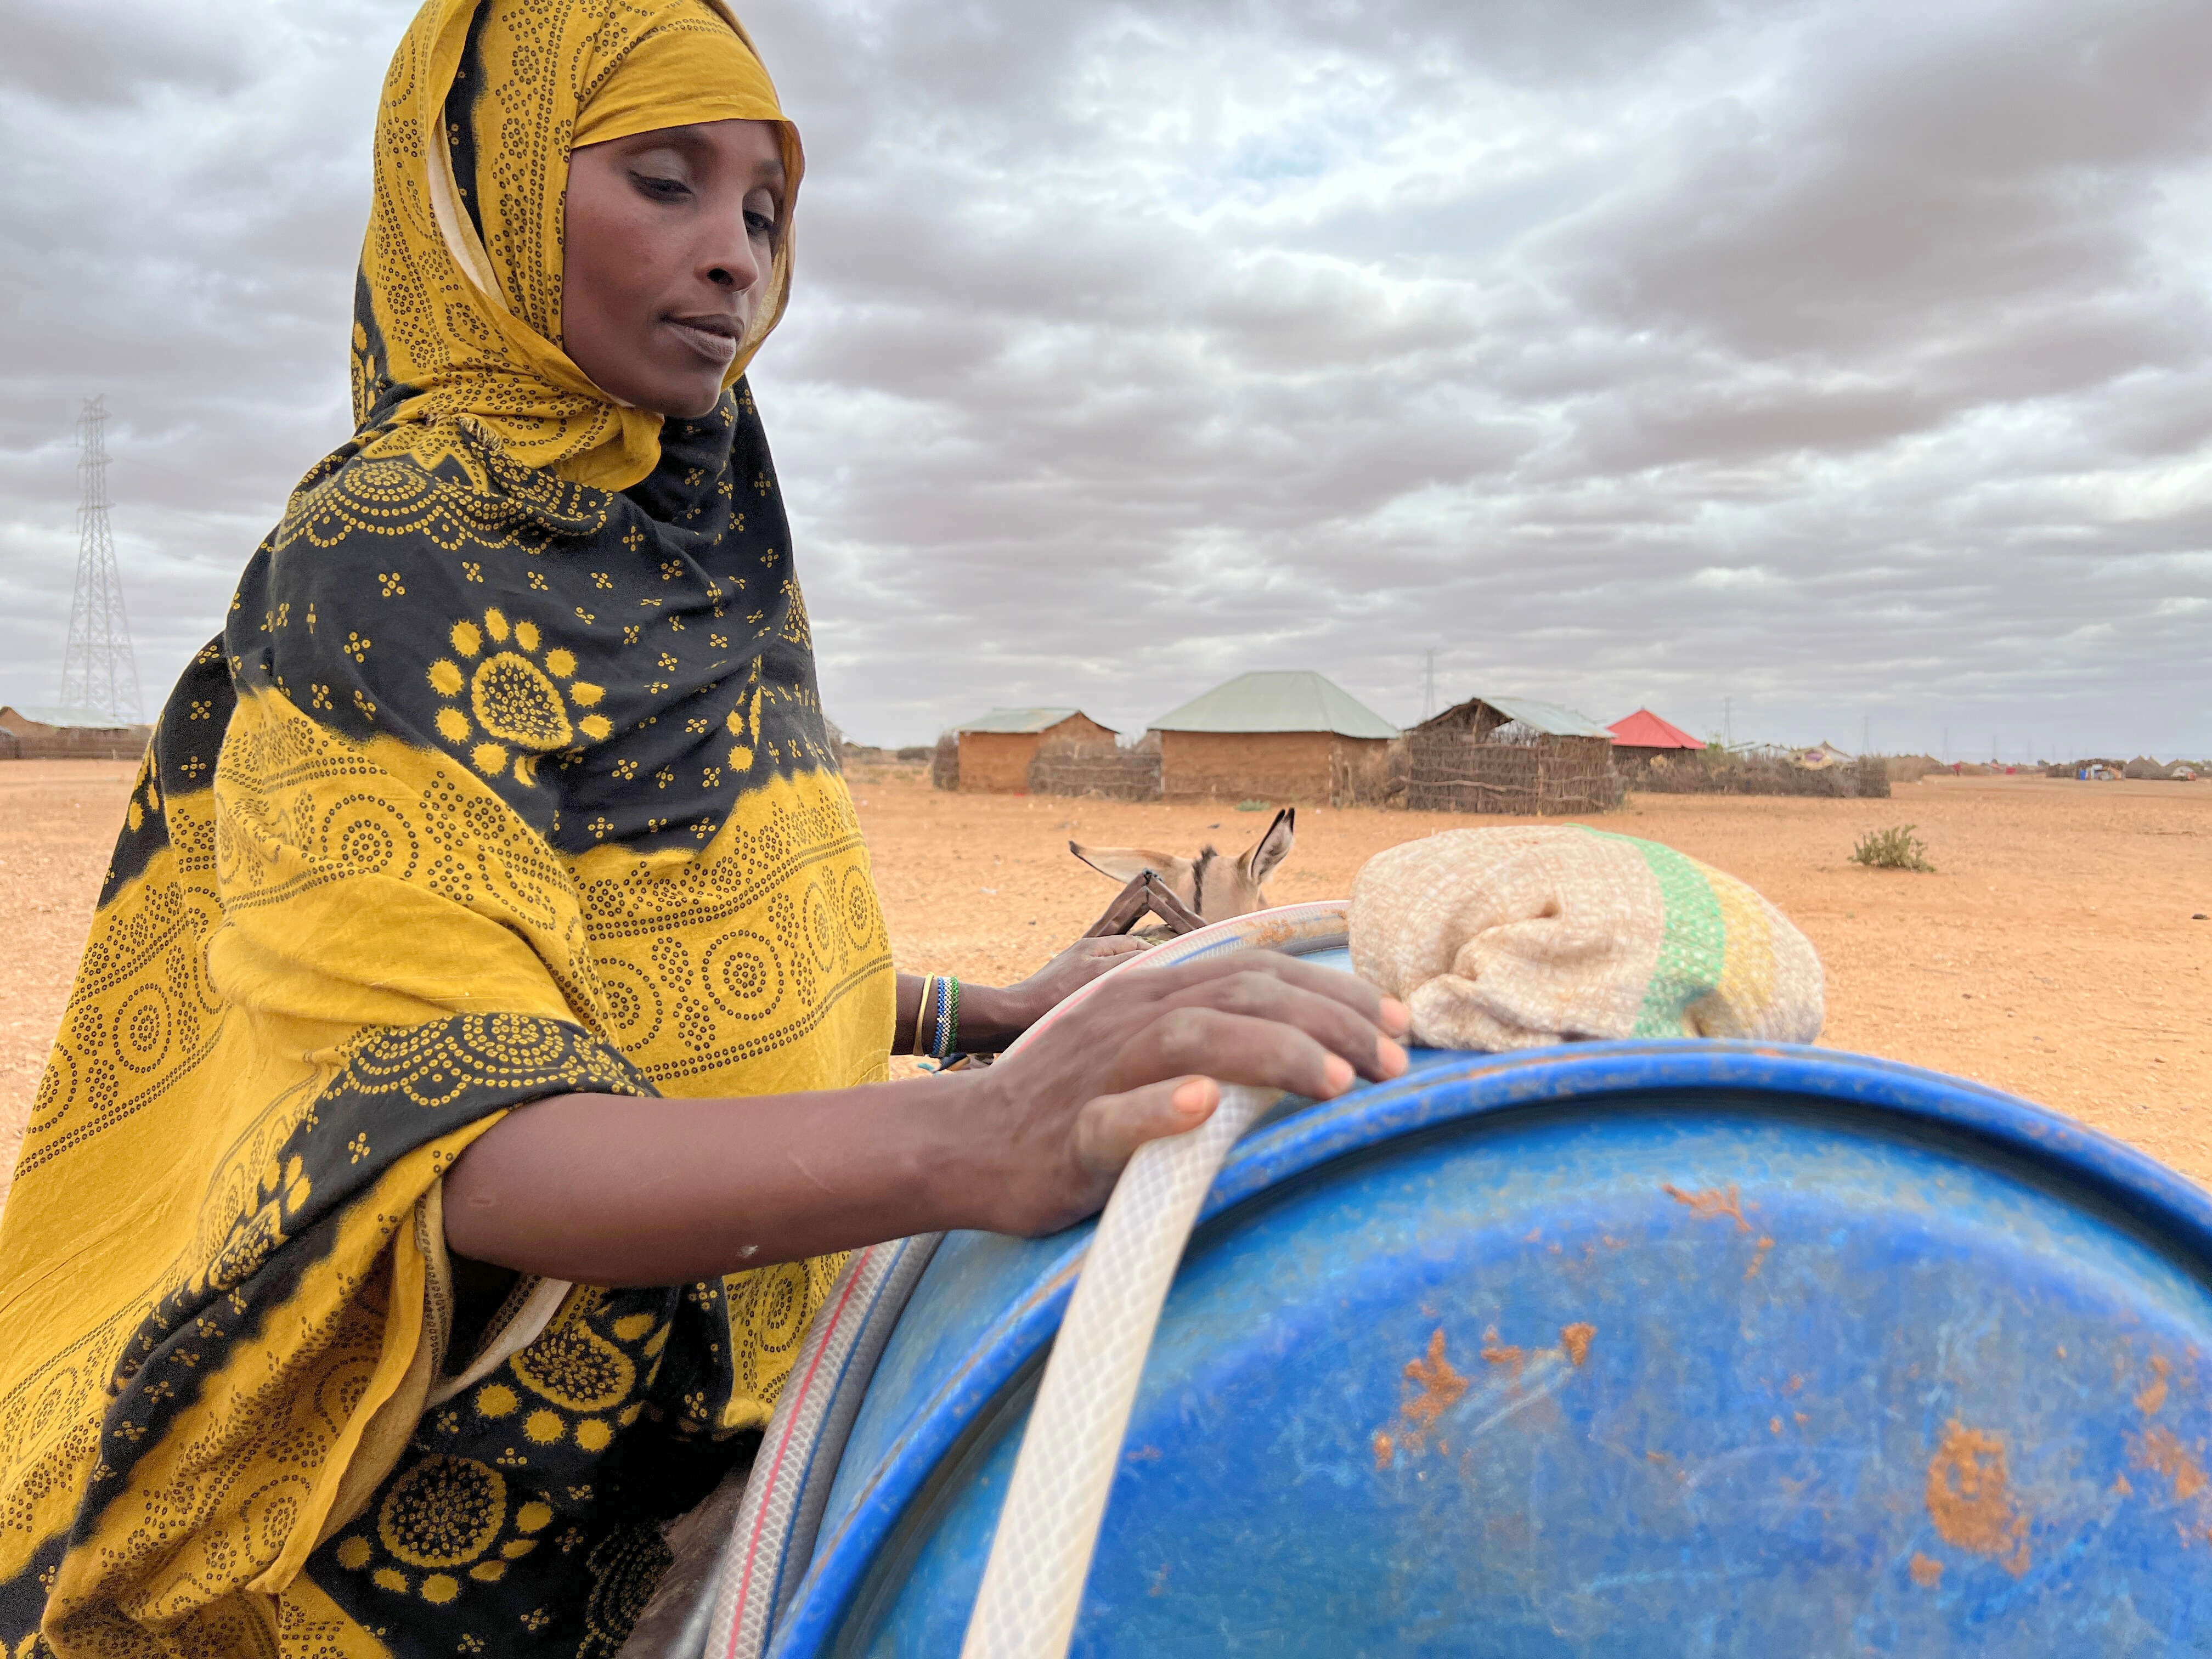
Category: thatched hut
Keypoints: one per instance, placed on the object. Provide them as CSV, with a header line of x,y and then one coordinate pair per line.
x,y
1281,736
1510,755
996,750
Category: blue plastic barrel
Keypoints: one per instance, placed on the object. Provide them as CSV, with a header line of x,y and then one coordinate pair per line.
x,y
1620,1348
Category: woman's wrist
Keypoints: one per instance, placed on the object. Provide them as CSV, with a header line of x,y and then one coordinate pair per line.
x,y
973,1166
991,1017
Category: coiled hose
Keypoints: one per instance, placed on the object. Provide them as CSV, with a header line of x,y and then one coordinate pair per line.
x,y
1048,1528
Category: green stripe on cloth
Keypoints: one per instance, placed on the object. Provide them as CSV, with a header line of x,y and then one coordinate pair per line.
x,y
1692,940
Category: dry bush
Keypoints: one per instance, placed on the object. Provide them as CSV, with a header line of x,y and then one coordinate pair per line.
x,y
1894,849
1718,772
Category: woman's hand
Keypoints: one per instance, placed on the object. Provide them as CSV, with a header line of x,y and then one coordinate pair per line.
x,y
664,1191
1040,1138
993,1016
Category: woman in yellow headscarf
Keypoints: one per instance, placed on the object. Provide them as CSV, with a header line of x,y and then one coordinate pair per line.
x,y
506,785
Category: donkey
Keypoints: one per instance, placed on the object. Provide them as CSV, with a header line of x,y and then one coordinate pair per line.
x,y
1215,886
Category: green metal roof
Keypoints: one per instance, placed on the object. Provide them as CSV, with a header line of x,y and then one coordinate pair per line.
x,y
1549,718
1277,700
1020,720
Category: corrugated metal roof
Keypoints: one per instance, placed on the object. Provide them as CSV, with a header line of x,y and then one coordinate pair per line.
x,y
1277,700
1547,717
1645,730
1020,719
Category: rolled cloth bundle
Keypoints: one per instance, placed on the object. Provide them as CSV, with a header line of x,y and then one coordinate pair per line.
x,y
1517,937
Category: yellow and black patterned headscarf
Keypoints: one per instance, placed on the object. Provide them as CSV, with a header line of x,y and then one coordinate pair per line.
x,y
458,313
507,777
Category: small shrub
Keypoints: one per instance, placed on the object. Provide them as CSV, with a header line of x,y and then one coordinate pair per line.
x,y
1254,806
1896,849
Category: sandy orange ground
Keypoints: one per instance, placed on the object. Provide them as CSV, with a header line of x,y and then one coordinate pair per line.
x,y
2053,952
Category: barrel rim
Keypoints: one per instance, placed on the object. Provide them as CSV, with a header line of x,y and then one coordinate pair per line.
x,y
2160,1199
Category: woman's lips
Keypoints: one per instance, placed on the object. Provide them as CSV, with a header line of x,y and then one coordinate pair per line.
x,y
715,338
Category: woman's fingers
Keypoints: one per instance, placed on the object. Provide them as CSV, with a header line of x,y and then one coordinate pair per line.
x,y
1089,952
1105,953
1147,1056
1356,995
1338,1027
1109,1129
1264,1053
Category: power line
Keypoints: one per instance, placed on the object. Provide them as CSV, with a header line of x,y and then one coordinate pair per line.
x,y
99,674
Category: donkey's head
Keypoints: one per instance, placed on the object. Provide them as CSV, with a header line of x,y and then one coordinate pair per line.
x,y
1217,887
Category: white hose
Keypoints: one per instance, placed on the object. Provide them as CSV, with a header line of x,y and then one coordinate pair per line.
x,y
1049,1526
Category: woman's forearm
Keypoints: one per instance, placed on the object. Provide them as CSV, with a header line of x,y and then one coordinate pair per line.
x,y
606,1189
609,1189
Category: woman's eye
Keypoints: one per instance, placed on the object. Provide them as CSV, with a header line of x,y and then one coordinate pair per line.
x,y
760,225
661,190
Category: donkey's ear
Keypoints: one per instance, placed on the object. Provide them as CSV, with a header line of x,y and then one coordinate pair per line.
x,y
1128,863
1275,847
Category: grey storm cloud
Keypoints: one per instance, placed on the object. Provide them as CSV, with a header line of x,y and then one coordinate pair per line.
x,y
1849,362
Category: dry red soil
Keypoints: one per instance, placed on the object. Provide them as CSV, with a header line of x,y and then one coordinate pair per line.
x,y
2051,953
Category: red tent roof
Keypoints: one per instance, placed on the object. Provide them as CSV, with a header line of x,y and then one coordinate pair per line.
x,y
1645,730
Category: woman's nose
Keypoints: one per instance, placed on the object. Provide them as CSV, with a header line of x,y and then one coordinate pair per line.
x,y
731,262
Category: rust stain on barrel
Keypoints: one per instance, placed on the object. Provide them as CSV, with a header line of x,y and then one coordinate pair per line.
x,y
1970,1499
1711,1205
2153,1393
1438,1384
1575,1340
1502,1353
2160,1451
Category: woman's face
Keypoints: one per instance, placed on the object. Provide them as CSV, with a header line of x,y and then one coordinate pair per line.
x,y
670,235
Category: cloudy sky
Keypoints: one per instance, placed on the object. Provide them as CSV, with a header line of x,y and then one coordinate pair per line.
x,y
1830,368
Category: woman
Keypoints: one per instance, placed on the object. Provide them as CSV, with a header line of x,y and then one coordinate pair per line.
x,y
474,1071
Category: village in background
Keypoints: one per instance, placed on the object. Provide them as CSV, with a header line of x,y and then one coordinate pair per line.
x,y
1295,736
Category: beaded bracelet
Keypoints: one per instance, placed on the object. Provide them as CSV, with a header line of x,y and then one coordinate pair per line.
x,y
948,1019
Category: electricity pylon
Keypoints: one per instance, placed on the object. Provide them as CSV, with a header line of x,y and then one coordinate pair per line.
x,y
100,675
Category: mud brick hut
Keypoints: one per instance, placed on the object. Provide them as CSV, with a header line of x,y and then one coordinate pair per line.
x,y
1283,736
1642,742
1510,755
996,750
57,734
